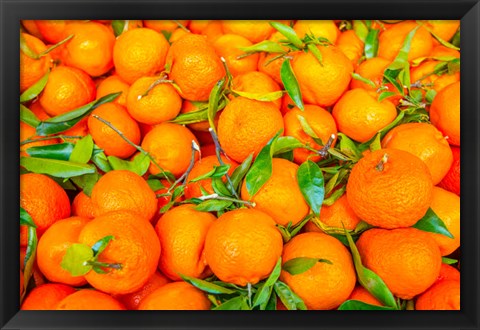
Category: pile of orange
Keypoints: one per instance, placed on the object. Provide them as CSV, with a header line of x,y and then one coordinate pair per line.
x,y
241,165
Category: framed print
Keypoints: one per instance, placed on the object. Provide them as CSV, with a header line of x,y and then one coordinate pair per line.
x,y
239,164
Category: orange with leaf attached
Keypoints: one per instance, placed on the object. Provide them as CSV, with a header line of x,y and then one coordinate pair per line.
x,y
31,70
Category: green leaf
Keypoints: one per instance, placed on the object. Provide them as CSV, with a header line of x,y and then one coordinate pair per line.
x,y
261,169
240,171
214,100
139,164
30,256
291,84
402,57
449,261
385,95
453,66
391,77
28,117
100,159
101,245
264,97
316,53
436,36
368,279
206,286
360,29
358,77
356,305
309,130
216,172
220,188
118,26
376,143
263,46
285,144
212,205
433,224
155,184
59,151
456,39
26,219
83,150
56,168
24,48
233,304
86,182
300,265
34,90
289,298
69,119
264,291
416,95
76,258
312,186
348,147
371,43
289,33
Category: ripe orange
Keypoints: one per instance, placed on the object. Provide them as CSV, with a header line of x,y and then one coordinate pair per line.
x,y
31,70
67,89
424,141
320,29
162,102
135,246
360,116
445,112
451,181
243,246
182,231
361,294
175,296
447,206
52,31
44,200
245,126
319,120
399,257
106,138
133,300
371,69
445,29
280,197
390,188
325,285
423,74
52,247
177,34
322,84
213,31
164,25
351,45
82,206
91,48
195,67
198,26
46,296
31,27
113,84
444,295
448,272
122,190
257,83
139,52
441,50
253,30
171,147
203,166
390,41
228,46
88,299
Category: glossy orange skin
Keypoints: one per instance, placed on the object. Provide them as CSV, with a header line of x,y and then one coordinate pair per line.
x,y
176,296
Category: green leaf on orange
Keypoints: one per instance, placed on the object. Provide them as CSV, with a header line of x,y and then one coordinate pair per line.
x,y
312,185
291,84
433,224
300,265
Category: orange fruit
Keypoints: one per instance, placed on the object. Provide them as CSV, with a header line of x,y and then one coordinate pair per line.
x,y
253,30
257,83
245,126
451,181
87,299
445,29
213,31
52,31
189,106
113,84
319,120
195,67
133,300
139,52
228,46
52,247
31,27
177,34
198,26
320,29
135,246
351,45
446,205
448,272
337,215
28,133
46,296
324,286
360,116
203,166
175,296
390,41
162,102
423,74
424,141
44,200
22,283
182,231
82,206
91,48
441,50
445,112
406,259
361,294
31,70
242,246
395,194
270,66
280,197
122,190
109,140
171,147
164,25
67,88
371,69
322,84
444,295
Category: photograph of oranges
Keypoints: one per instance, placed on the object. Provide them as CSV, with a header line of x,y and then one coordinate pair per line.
x,y
240,165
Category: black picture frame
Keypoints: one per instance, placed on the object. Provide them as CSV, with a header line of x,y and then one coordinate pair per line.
x,y
12,11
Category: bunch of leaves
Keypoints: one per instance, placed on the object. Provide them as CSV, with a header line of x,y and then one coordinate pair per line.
x,y
31,251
